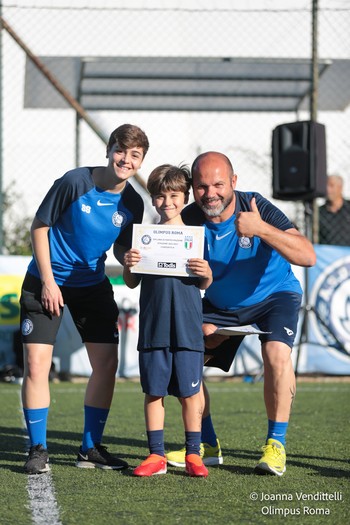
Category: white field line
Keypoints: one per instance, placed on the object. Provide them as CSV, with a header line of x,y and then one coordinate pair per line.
x,y
41,492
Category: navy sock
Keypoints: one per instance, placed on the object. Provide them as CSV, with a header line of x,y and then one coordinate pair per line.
x,y
208,432
278,431
94,424
156,442
36,421
193,442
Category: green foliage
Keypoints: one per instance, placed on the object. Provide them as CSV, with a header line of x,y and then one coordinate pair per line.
x,y
16,224
318,452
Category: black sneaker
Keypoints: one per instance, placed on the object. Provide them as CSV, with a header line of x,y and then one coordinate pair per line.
x,y
38,460
98,457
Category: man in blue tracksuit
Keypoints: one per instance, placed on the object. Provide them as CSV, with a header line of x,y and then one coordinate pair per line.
x,y
250,246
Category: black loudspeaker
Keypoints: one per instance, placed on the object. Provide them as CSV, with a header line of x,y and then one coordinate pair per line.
x,y
299,167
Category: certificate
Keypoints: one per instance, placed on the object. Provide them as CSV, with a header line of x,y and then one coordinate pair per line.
x,y
165,249
239,330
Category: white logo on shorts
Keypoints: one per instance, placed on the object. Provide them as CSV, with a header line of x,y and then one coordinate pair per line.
x,y
288,330
27,327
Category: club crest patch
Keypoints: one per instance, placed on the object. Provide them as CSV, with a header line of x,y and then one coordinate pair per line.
x,y
118,219
27,327
245,242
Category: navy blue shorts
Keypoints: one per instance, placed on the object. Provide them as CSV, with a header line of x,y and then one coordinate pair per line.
x,y
93,309
278,314
163,371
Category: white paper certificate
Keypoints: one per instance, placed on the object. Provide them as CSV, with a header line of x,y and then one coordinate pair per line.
x,y
239,330
165,249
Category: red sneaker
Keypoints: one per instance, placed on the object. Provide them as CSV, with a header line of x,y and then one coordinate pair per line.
x,y
195,466
151,466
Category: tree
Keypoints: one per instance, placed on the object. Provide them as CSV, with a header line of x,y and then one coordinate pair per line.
x,y
16,224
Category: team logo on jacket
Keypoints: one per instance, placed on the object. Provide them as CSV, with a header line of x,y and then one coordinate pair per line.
x,y
118,219
245,242
188,242
331,299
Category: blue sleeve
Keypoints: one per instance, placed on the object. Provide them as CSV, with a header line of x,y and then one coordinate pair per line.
x,y
271,214
134,203
192,215
62,193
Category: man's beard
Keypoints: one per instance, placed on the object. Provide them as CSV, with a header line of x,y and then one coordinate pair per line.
x,y
215,212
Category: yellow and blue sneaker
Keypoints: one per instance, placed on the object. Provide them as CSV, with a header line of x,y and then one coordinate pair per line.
x,y
211,456
273,460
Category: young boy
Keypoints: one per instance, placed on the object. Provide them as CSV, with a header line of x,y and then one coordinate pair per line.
x,y
170,332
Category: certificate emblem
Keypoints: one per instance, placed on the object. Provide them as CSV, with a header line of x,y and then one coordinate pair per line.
x,y
146,239
188,242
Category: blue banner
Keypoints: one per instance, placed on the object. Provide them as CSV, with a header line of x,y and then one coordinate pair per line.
x,y
326,344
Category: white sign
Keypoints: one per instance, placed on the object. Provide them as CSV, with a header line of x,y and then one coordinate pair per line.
x,y
165,249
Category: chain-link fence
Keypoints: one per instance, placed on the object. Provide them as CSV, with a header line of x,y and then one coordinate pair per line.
x,y
195,75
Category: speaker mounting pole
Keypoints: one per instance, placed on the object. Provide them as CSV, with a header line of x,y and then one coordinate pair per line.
x,y
313,108
310,208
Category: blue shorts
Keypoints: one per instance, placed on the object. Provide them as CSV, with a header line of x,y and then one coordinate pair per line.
x,y
165,371
278,314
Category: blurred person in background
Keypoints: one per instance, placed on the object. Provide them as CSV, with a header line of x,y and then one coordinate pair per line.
x,y
334,215
85,212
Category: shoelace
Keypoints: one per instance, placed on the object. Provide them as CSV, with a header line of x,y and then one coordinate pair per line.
x,y
36,452
275,450
100,447
103,451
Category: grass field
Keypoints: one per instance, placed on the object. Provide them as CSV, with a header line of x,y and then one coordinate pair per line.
x,y
315,488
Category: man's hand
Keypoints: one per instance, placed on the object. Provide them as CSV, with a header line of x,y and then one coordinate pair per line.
x,y
211,339
248,223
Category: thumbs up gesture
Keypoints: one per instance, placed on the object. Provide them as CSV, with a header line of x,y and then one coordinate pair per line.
x,y
248,223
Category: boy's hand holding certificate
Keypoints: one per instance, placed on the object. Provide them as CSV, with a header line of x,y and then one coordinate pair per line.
x,y
165,249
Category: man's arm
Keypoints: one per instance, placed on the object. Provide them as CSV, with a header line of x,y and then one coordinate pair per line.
x,y
290,244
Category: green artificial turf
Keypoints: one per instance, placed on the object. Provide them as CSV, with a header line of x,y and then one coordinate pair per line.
x,y
314,489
